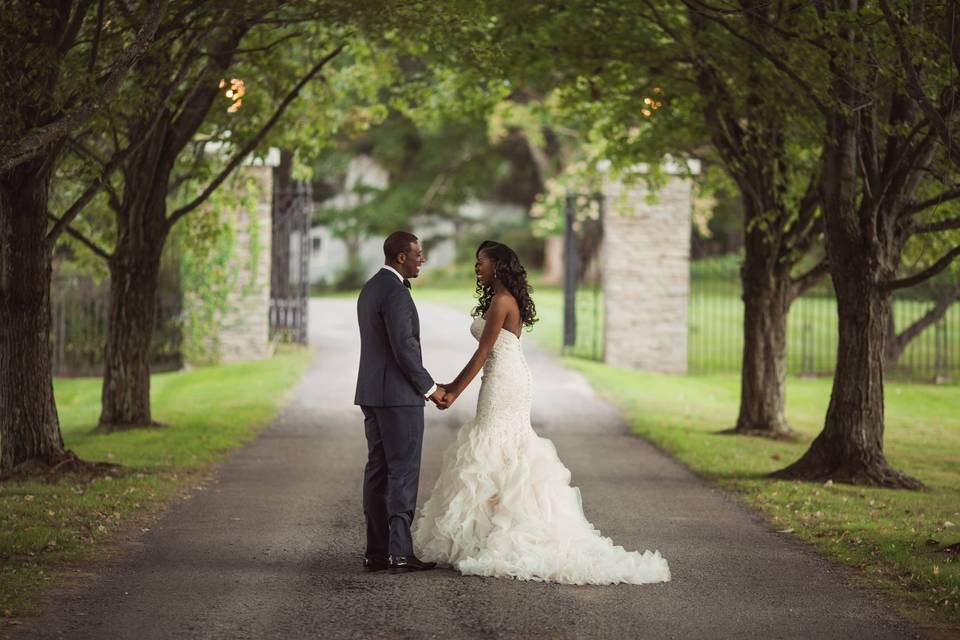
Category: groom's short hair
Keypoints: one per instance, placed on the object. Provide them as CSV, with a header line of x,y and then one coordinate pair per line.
x,y
398,242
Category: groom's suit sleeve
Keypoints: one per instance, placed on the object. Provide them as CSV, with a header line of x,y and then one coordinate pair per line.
x,y
398,314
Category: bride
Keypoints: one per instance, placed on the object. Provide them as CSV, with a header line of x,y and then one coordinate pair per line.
x,y
503,504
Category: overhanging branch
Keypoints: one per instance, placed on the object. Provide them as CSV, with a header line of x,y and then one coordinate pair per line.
x,y
934,227
266,47
64,221
33,143
916,90
926,274
87,242
774,59
933,315
118,158
804,282
946,196
239,156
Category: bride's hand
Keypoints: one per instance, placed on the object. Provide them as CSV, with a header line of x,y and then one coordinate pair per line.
x,y
451,395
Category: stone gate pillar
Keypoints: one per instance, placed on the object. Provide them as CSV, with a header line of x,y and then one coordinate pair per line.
x,y
244,328
646,275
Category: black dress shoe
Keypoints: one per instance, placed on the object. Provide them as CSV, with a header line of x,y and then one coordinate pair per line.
x,y
405,564
375,563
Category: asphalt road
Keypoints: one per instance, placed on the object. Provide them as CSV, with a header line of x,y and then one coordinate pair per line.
x,y
271,547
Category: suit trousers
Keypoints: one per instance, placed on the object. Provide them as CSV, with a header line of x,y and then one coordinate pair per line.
x,y
391,477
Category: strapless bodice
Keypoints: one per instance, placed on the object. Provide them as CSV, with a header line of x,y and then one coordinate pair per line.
x,y
507,340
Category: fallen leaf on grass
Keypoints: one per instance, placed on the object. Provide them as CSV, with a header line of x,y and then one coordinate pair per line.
x,y
952,548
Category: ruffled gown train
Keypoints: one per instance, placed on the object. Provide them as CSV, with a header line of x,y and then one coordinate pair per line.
x,y
503,504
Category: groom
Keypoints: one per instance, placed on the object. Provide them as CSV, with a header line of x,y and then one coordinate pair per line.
x,y
391,387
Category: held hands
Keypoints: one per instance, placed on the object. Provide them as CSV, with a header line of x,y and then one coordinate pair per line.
x,y
451,394
438,398
444,396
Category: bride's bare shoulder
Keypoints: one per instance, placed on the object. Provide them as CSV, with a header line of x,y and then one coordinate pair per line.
x,y
505,300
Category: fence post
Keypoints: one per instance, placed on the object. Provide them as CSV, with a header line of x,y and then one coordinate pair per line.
x,y
601,210
569,275
940,349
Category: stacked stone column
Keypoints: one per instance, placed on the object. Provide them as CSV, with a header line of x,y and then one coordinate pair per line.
x,y
245,330
646,275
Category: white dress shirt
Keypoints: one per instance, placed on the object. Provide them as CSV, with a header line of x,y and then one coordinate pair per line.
x,y
433,389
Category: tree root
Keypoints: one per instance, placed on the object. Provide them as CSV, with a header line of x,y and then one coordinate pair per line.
x,y
51,471
879,474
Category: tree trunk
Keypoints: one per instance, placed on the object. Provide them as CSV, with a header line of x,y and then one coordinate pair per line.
x,y
29,427
850,447
766,283
763,374
134,277
142,229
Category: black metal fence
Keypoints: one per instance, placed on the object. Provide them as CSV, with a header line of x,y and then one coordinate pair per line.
x,y
582,280
80,310
290,263
715,328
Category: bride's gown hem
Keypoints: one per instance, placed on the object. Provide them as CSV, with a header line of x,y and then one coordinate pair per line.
x,y
503,505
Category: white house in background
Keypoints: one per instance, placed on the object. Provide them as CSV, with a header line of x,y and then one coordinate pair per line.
x,y
328,254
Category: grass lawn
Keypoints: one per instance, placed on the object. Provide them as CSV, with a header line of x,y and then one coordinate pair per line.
x,y
45,529
894,537
887,534
715,338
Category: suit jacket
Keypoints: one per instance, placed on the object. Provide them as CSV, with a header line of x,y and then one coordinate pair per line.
x,y
391,364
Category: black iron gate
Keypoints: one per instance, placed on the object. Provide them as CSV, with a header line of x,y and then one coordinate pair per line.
x,y
582,276
290,263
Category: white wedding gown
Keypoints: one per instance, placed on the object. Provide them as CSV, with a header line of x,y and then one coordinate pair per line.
x,y
503,504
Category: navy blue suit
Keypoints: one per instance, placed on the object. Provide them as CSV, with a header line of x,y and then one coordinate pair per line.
x,y
391,385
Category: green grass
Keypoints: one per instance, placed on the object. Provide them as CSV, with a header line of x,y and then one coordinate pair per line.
x,y
883,533
47,528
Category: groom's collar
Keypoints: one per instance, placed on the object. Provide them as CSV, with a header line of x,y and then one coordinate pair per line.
x,y
393,271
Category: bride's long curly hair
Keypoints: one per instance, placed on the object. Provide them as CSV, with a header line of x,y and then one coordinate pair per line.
x,y
511,273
